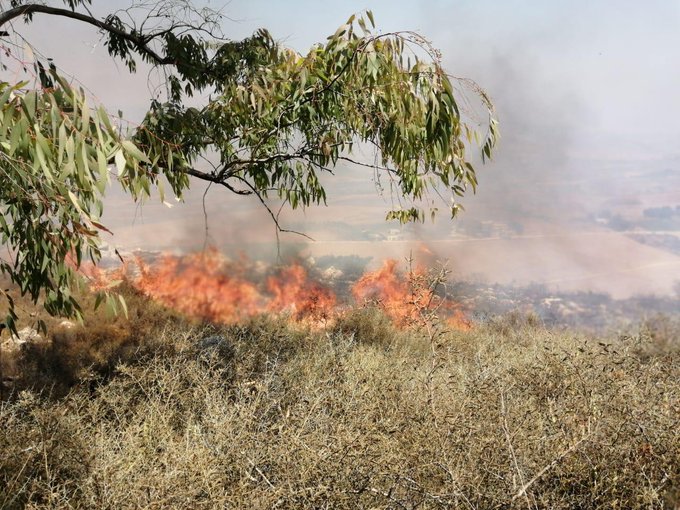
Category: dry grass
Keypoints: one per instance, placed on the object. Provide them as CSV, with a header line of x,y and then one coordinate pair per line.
x,y
509,415
89,351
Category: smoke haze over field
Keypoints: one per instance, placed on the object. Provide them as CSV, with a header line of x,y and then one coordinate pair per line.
x,y
586,94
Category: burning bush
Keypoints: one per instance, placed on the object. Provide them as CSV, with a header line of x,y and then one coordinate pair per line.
x,y
210,287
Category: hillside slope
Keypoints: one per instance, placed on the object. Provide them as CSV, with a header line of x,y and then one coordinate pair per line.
x,y
356,416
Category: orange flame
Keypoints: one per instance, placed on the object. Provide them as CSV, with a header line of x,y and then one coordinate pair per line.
x,y
389,290
202,285
211,287
99,280
292,291
407,299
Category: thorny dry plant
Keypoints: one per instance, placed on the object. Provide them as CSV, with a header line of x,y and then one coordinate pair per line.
x,y
514,416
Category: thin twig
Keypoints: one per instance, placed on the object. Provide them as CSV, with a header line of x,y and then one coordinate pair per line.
x,y
525,487
259,472
206,224
271,213
506,431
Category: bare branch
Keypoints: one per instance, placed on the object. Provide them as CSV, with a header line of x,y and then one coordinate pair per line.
x,y
140,41
274,217
215,179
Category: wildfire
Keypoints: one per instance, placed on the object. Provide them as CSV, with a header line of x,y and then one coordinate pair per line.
x,y
291,290
409,299
389,290
203,285
209,286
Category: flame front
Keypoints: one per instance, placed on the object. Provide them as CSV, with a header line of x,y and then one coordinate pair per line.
x,y
291,290
203,285
211,287
408,299
390,291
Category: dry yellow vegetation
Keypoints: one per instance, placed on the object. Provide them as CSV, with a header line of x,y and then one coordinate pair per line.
x,y
359,415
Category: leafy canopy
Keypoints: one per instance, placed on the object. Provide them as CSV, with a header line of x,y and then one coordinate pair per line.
x,y
275,121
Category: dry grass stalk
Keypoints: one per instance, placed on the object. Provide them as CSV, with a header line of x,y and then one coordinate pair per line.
x,y
359,416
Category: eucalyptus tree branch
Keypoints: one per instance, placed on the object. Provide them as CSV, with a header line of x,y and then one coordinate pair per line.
x,y
274,121
367,165
215,178
139,41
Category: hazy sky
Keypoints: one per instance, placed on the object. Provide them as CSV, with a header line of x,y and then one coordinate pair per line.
x,y
608,68
586,91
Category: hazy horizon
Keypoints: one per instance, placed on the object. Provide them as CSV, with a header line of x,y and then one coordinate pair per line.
x,y
586,97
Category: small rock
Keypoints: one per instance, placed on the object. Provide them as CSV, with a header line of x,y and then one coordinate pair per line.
x,y
67,325
20,341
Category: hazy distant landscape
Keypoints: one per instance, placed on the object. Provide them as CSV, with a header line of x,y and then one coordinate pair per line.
x,y
612,245
522,355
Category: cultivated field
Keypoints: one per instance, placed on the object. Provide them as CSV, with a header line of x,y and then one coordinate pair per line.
x,y
597,261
